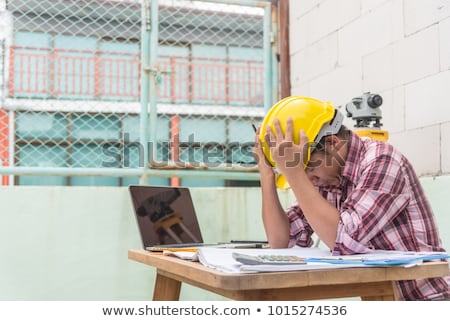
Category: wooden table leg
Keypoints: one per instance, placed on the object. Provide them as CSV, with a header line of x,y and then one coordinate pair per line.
x,y
166,289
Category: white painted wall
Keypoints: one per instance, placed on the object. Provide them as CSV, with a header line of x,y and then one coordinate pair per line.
x,y
71,243
397,48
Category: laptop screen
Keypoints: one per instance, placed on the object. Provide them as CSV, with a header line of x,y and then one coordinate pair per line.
x,y
165,215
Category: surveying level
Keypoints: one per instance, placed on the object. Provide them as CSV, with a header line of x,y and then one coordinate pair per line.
x,y
365,110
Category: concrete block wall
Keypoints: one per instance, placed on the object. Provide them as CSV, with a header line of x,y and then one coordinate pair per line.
x,y
397,48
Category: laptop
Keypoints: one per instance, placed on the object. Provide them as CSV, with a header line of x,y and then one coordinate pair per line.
x,y
166,219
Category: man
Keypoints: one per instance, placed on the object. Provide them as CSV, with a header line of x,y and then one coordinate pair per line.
x,y
356,194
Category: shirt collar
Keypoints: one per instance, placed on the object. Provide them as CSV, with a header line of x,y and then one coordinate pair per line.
x,y
352,161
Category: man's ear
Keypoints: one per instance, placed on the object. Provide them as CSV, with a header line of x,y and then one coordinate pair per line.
x,y
332,142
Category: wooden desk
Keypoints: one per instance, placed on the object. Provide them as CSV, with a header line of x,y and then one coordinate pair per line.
x,y
368,283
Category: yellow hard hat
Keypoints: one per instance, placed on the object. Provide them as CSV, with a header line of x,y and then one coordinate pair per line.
x,y
316,118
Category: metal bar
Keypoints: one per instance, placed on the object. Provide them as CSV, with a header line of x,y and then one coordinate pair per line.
x,y
145,81
45,64
249,3
275,45
268,100
154,30
110,77
11,81
173,83
284,49
175,148
11,142
130,172
4,134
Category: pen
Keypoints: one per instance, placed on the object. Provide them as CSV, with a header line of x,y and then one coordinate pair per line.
x,y
190,249
246,241
342,258
247,246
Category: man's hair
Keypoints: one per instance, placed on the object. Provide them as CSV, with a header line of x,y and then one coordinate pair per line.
x,y
343,134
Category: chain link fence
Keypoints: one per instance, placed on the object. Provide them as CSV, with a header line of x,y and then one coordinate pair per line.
x,y
96,92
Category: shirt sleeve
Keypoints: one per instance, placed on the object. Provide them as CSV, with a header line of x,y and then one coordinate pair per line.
x,y
379,196
300,230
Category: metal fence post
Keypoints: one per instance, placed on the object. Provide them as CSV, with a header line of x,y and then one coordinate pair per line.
x,y
154,74
145,85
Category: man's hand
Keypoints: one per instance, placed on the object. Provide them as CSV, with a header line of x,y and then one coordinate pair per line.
x,y
288,156
265,168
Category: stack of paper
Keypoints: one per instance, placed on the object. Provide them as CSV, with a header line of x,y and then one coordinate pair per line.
x,y
222,259
185,255
314,258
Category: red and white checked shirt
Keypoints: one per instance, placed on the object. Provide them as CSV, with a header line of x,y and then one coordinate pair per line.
x,y
382,206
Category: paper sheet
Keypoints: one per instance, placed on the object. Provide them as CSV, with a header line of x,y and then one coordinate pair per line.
x,y
185,255
222,260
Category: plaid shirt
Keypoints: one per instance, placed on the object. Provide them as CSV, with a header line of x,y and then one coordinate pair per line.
x,y
382,206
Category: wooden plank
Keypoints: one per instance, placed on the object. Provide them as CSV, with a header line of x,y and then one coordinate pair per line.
x,y
421,271
166,288
367,290
370,291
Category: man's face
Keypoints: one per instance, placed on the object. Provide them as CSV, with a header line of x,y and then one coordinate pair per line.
x,y
325,167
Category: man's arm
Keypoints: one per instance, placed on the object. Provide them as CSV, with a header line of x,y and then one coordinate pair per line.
x,y
321,215
276,223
